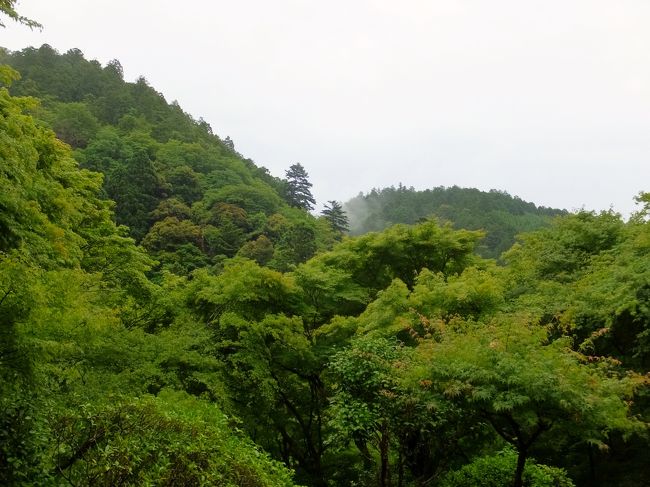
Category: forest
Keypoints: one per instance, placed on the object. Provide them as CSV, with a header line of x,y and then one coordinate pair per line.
x,y
173,314
502,216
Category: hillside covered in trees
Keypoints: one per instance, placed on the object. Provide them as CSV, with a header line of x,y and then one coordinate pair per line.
x,y
502,216
184,193
171,314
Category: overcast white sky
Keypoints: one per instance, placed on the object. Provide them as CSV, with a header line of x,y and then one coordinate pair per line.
x,y
548,100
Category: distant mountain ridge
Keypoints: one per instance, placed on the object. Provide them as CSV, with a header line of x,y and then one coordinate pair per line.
x,y
501,215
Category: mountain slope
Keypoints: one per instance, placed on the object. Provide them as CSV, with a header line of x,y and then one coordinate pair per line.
x,y
86,340
502,216
184,193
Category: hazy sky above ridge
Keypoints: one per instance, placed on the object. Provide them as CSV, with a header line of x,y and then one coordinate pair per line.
x,y
548,100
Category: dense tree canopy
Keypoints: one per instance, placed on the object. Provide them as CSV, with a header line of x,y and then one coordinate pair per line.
x,y
86,338
153,154
500,215
167,318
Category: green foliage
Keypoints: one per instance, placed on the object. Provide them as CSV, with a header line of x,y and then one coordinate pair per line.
x,y
526,387
7,8
297,245
171,439
394,358
185,184
329,291
42,192
171,207
334,214
500,215
475,293
171,233
561,251
137,190
150,151
592,286
260,250
496,471
367,403
298,191
365,386
84,333
243,287
609,311
271,369
73,123
8,75
643,200
512,370
375,259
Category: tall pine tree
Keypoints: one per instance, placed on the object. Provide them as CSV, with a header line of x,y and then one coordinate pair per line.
x,y
298,193
336,216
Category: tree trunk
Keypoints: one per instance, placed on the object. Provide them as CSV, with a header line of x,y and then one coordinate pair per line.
x,y
400,472
383,453
592,464
519,472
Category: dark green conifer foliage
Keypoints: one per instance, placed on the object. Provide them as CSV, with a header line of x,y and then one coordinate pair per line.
x,y
334,214
229,143
298,191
